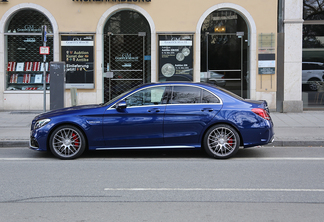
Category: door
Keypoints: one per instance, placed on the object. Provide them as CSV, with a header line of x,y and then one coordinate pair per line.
x,y
225,58
125,67
140,124
188,112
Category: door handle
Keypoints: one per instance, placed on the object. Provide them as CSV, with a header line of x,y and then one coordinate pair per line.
x,y
153,110
207,109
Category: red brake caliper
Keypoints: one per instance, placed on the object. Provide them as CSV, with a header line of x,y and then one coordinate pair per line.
x,y
230,142
76,140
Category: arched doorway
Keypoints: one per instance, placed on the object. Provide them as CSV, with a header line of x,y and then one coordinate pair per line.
x,y
127,50
224,51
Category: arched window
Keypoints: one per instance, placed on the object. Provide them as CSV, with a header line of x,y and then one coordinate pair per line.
x,y
23,39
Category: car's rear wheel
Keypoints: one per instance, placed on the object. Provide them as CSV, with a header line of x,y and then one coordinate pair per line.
x,y
67,142
221,141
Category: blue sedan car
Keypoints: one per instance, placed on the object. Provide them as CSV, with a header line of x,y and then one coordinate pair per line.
x,y
157,116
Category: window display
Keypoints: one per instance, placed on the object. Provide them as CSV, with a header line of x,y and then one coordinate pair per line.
x,y
24,63
27,76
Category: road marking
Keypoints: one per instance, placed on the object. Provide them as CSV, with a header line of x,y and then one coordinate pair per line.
x,y
19,159
279,158
215,189
192,159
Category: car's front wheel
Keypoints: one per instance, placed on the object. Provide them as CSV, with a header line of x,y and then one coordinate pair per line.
x,y
221,141
67,142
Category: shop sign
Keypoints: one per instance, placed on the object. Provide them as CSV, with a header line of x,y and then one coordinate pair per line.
x,y
124,1
77,53
267,63
29,28
175,57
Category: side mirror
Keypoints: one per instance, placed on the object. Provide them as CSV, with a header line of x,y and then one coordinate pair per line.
x,y
121,105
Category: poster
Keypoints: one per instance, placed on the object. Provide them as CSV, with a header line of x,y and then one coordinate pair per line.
x,y
77,53
175,57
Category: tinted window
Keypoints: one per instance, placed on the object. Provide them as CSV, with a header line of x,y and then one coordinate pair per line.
x,y
185,94
208,97
146,97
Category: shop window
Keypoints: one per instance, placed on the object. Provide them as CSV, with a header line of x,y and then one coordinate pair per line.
x,y
313,55
24,64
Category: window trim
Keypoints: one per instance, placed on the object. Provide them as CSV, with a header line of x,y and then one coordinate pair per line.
x,y
168,104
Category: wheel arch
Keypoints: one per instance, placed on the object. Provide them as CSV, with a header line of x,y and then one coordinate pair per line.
x,y
67,124
314,79
224,123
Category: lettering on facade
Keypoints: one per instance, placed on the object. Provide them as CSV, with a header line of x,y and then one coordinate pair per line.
x,y
30,40
111,0
29,28
126,57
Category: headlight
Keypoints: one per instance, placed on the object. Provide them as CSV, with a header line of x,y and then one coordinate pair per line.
x,y
41,123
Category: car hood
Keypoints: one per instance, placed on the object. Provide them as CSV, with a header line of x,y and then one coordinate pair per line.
x,y
73,109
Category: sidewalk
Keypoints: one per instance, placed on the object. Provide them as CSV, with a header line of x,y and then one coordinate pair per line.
x,y
291,129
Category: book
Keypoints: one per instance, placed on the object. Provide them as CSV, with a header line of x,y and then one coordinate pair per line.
x,y
28,66
42,66
14,78
26,78
11,66
38,78
36,66
20,79
20,66
48,78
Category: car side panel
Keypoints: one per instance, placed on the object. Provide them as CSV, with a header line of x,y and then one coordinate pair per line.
x,y
253,129
184,124
134,126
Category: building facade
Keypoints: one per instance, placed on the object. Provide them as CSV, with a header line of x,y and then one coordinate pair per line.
x,y
252,48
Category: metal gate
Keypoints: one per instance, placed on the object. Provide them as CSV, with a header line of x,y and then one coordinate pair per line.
x,y
224,57
125,63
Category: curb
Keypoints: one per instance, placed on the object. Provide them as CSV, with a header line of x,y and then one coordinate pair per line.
x,y
25,143
14,143
317,143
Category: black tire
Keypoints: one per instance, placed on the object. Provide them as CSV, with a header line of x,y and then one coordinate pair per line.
x,y
221,141
67,142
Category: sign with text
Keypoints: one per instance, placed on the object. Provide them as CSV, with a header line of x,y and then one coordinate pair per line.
x,y
44,50
175,57
77,53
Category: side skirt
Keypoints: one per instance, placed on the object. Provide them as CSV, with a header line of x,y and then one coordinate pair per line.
x,y
147,147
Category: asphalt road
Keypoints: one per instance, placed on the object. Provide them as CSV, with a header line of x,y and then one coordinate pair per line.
x,y
259,184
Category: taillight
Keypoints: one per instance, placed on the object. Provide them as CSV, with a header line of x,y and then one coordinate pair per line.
x,y
261,112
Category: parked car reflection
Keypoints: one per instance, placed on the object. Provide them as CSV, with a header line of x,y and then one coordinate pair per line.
x,y
208,77
313,72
